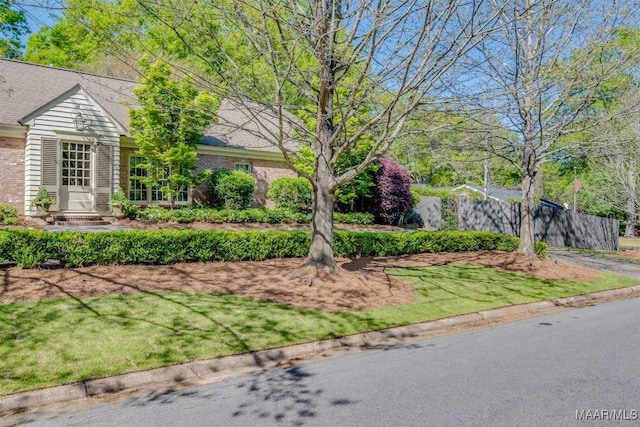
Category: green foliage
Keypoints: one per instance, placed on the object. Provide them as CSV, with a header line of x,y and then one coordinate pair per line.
x,y
432,154
449,205
13,25
132,211
430,192
355,194
8,214
99,36
557,180
232,189
168,126
42,198
156,214
119,198
291,193
30,248
64,44
212,184
188,215
106,37
120,201
362,218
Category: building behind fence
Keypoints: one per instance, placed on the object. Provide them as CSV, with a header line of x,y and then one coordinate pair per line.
x,y
552,226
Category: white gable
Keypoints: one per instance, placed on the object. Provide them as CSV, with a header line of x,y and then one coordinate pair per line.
x,y
59,113
55,121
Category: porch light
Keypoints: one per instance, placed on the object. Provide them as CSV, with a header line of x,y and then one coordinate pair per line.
x,y
81,120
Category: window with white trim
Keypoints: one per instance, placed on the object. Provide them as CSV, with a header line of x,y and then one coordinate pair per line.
x,y
244,167
137,190
140,192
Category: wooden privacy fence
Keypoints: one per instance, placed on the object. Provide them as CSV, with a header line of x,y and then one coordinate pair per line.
x,y
552,226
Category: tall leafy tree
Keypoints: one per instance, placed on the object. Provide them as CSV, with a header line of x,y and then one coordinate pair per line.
x,y
103,36
167,127
13,25
435,151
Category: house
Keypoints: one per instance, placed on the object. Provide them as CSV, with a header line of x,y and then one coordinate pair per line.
x,y
67,131
501,194
472,191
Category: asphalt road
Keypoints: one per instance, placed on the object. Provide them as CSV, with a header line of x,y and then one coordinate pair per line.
x,y
537,372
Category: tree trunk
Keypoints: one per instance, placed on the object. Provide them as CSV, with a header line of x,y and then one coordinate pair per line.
x,y
631,200
527,224
321,250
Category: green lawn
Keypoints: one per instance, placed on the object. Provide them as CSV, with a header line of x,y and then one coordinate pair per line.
x,y
59,341
629,242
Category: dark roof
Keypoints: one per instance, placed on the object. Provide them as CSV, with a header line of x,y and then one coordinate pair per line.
x,y
553,205
245,124
25,87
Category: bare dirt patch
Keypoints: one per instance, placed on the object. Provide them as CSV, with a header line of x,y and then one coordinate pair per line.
x,y
361,283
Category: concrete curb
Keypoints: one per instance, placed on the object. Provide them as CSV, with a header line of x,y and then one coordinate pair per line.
x,y
203,370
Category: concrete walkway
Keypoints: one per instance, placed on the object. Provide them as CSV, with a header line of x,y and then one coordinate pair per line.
x,y
86,228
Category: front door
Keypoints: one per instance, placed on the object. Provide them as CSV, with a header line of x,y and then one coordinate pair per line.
x,y
76,187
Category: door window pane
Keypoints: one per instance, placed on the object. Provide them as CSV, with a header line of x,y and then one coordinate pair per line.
x,y
74,170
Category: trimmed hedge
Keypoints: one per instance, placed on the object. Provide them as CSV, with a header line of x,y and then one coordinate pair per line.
x,y
30,248
259,215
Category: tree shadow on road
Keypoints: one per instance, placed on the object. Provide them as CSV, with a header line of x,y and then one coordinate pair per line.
x,y
284,396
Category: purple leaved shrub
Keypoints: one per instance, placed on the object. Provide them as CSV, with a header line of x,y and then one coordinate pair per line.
x,y
391,195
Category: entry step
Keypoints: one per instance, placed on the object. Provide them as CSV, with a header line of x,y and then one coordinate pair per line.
x,y
78,219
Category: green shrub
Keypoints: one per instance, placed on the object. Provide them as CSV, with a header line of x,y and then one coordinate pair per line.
x,y
231,189
449,205
119,199
155,214
131,211
30,248
191,214
42,199
214,180
291,193
8,214
353,218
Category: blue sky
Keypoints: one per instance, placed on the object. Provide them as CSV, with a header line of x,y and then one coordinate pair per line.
x,y
36,18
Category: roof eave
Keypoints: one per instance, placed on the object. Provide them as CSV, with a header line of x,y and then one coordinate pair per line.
x,y
13,130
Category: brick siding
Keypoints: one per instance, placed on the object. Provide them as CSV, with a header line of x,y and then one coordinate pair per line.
x,y
264,171
12,171
125,153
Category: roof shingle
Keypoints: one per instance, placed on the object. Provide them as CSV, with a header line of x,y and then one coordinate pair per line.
x,y
25,87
